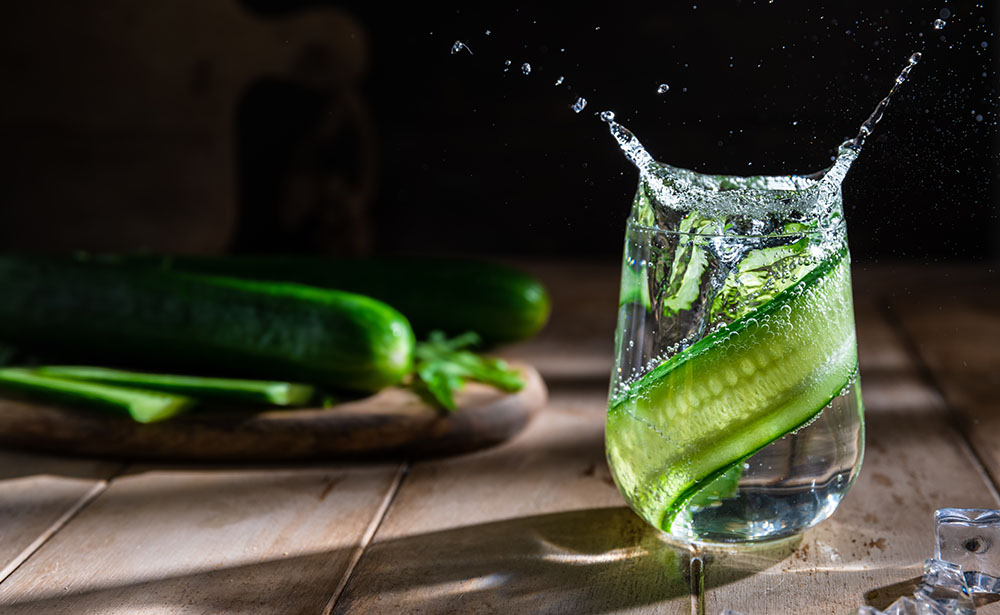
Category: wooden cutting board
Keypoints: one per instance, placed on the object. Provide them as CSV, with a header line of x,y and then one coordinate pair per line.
x,y
391,423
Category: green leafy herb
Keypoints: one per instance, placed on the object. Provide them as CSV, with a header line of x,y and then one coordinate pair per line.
x,y
443,366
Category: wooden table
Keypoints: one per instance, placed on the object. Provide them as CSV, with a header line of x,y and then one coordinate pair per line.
x,y
535,525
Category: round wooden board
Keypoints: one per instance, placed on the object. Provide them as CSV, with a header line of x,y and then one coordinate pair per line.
x,y
392,423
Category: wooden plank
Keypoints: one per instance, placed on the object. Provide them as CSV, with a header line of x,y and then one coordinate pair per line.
x,y
207,540
872,549
38,495
955,336
533,526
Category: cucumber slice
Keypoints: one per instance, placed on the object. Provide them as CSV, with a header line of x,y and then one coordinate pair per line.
x,y
143,406
252,391
733,392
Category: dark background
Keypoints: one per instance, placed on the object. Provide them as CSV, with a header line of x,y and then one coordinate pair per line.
x,y
449,154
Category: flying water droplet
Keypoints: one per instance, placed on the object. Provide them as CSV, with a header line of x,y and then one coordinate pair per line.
x,y
663,89
506,66
939,24
915,58
560,80
607,116
579,105
459,46
526,68
489,32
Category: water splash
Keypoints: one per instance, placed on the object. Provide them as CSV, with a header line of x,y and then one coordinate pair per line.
x,y
663,89
579,105
866,128
629,144
526,68
748,199
459,46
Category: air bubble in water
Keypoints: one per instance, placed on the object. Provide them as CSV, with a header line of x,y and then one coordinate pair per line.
x,y
526,68
560,80
663,89
459,46
939,24
580,104
607,116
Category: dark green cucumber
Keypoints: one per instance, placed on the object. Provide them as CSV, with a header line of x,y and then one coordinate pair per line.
x,y
250,391
499,303
143,406
213,325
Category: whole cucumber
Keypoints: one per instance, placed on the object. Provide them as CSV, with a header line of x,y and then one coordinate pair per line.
x,y
220,325
499,303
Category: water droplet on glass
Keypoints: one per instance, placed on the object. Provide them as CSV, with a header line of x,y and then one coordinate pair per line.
x,y
663,89
580,104
459,46
526,68
607,116
560,80
939,24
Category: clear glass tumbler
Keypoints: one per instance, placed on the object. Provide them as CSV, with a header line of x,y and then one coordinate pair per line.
x,y
735,410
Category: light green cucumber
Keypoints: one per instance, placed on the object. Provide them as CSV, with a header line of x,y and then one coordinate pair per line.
x,y
250,391
143,406
685,422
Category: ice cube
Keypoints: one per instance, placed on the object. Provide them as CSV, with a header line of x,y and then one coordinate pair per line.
x,y
918,606
970,538
944,586
943,578
982,583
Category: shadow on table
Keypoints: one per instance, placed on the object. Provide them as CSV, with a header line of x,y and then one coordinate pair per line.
x,y
589,561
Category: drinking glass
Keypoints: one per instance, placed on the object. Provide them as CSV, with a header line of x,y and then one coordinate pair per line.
x,y
735,410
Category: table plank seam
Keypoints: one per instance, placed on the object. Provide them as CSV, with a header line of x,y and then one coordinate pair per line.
x,y
366,538
925,373
696,568
64,519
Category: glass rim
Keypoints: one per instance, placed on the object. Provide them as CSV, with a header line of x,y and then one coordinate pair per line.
x,y
804,233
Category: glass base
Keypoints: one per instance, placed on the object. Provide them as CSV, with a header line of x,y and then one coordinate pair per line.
x,y
785,488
